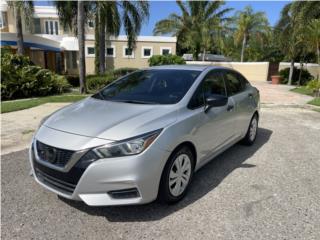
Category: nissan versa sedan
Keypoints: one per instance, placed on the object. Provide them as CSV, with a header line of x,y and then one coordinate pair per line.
x,y
143,136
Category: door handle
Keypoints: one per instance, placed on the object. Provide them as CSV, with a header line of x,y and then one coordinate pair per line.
x,y
250,95
230,107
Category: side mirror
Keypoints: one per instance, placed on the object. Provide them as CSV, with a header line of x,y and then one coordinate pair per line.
x,y
215,101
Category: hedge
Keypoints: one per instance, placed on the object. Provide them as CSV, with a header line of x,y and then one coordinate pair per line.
x,y
22,79
158,60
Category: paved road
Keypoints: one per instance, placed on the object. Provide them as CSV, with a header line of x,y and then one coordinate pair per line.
x,y
267,191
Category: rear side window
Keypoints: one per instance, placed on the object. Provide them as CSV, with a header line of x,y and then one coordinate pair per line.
x,y
234,83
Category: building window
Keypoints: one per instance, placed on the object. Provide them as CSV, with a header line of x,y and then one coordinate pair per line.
x,y
3,20
146,52
165,50
71,59
111,51
90,51
91,24
127,52
36,26
51,27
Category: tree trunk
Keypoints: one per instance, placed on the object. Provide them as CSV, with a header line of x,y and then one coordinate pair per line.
x,y
243,46
20,49
102,42
300,73
82,63
291,72
96,45
318,52
203,55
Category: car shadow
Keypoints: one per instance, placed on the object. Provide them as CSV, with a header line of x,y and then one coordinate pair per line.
x,y
205,180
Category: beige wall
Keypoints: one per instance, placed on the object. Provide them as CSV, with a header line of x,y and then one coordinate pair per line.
x,y
313,68
119,61
253,71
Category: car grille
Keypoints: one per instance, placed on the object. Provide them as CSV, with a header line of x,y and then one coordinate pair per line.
x,y
64,182
55,156
55,183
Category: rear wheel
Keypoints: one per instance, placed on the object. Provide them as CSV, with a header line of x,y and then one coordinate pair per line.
x,y
177,175
252,131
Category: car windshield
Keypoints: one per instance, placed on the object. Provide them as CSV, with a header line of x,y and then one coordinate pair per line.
x,y
154,86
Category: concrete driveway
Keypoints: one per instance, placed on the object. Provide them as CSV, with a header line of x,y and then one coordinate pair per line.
x,y
280,95
267,191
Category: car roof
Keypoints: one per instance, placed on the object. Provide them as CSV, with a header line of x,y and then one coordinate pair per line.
x,y
188,67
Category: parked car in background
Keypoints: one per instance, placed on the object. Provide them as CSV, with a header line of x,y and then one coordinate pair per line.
x,y
144,135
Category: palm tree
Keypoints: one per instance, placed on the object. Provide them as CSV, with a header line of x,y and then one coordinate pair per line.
x,y
292,31
250,24
313,36
290,35
81,39
114,14
71,14
25,10
196,26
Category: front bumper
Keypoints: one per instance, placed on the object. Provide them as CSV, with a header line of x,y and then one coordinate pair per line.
x,y
96,183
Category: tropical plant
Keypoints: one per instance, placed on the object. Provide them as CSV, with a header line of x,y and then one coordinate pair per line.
x,y
314,85
196,27
22,10
299,76
250,24
20,78
74,15
313,36
294,36
114,14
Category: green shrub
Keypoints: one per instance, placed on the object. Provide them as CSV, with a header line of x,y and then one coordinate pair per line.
x,y
305,76
73,80
314,85
22,79
96,82
158,60
122,71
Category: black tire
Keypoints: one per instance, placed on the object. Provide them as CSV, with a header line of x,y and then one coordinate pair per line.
x,y
164,191
248,139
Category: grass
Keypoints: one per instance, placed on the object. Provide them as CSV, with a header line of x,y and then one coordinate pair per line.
x,y
306,91
302,90
315,102
16,105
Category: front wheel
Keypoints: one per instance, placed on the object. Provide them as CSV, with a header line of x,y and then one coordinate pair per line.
x,y
252,131
176,176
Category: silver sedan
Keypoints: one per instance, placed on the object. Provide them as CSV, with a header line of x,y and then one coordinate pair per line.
x,y
143,136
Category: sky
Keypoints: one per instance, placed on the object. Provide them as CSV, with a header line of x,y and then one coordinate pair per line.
x,y
161,9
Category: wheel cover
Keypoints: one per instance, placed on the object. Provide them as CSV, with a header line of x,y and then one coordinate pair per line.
x,y
253,129
179,176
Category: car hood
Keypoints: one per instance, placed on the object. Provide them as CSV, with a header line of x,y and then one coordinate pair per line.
x,y
111,120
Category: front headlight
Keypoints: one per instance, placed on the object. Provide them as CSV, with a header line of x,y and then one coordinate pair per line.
x,y
127,147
